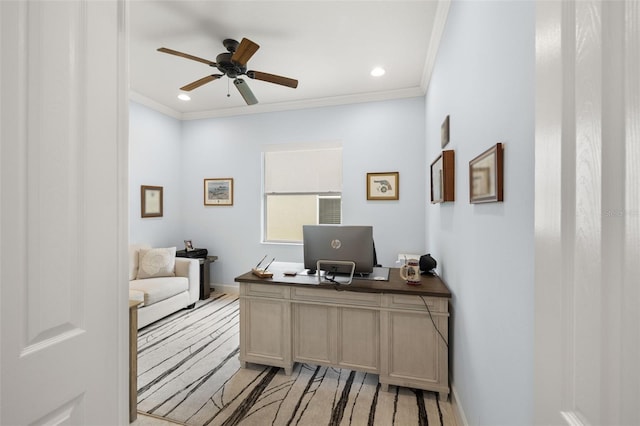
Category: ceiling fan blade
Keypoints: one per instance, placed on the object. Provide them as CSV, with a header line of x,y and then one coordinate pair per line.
x,y
245,91
272,78
244,52
186,55
189,87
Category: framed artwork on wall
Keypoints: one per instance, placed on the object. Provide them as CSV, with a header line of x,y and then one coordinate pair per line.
x,y
151,201
486,176
443,178
444,132
383,186
218,192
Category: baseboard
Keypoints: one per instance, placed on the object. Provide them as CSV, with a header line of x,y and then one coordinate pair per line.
x,y
458,412
225,288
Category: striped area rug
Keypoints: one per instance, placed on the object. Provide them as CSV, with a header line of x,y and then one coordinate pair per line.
x,y
188,372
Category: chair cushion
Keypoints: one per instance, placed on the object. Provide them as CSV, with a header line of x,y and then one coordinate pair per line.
x,y
158,289
156,262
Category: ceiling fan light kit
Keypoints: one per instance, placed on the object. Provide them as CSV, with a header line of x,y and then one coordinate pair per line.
x,y
233,64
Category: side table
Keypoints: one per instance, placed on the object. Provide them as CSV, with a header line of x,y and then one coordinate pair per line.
x,y
205,289
205,261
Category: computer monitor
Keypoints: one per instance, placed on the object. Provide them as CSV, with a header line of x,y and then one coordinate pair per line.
x,y
340,243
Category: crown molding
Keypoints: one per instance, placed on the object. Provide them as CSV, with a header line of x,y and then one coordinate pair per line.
x,y
156,106
439,23
412,92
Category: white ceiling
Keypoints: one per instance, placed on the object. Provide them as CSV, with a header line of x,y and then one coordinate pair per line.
x,y
330,47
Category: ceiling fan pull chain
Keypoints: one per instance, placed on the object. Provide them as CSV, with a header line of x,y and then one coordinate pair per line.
x,y
228,85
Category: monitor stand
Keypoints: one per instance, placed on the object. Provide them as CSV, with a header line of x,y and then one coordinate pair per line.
x,y
329,274
379,273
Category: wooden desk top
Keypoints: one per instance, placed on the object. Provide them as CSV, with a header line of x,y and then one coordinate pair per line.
x,y
430,285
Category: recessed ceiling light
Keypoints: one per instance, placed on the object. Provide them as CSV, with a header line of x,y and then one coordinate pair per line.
x,y
377,72
184,97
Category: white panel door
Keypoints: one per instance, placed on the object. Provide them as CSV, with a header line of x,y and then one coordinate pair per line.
x,y
63,94
587,219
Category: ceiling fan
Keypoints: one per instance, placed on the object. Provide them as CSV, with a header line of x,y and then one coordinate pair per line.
x,y
233,64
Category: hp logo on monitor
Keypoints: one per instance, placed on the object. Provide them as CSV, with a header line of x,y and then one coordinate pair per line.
x,y
336,244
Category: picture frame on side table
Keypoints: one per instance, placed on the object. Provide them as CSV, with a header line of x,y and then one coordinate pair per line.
x,y
151,201
383,186
218,192
486,176
443,178
188,245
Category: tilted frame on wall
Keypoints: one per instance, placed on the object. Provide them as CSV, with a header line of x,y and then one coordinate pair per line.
x,y
443,178
486,176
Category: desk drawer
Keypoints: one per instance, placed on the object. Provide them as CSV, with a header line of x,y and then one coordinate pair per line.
x,y
344,297
402,301
264,290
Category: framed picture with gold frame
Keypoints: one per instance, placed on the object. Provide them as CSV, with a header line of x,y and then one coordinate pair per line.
x,y
151,201
218,192
486,176
443,178
383,186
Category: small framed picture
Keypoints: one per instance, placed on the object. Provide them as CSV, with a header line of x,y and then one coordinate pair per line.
x,y
151,201
485,176
218,192
188,245
443,178
383,186
444,132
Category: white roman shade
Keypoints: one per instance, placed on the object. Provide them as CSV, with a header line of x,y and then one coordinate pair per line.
x,y
303,171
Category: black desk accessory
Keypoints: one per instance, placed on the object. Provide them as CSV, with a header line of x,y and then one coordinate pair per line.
x,y
196,253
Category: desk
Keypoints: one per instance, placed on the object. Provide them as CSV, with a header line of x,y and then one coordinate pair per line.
x,y
381,327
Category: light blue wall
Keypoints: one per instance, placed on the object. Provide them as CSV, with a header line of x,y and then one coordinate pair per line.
x,y
484,79
154,159
376,137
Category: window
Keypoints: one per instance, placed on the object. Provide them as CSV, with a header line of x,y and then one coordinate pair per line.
x,y
302,186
